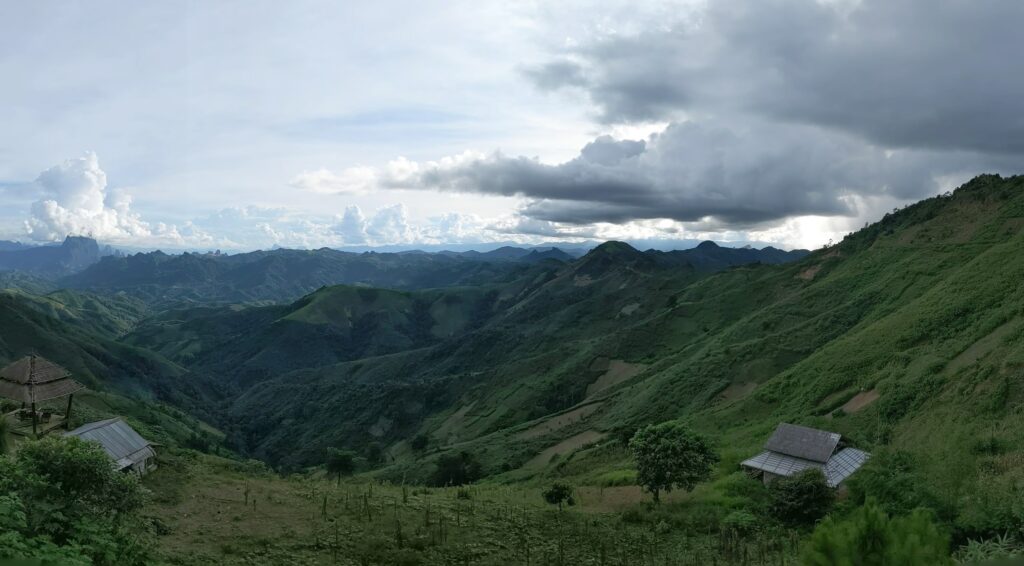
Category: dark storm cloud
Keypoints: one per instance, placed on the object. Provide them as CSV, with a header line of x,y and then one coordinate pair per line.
x,y
738,175
899,73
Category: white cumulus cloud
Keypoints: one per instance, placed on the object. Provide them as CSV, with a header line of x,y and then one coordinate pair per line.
x,y
75,201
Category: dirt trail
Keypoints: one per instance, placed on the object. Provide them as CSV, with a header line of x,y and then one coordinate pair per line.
x,y
617,372
860,400
981,348
564,447
558,422
453,424
737,391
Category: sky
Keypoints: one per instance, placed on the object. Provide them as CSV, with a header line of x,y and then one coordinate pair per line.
x,y
249,125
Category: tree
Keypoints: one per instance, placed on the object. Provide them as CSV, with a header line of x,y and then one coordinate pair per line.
x,y
374,453
670,456
419,443
3,436
340,463
64,501
559,493
869,537
801,499
456,469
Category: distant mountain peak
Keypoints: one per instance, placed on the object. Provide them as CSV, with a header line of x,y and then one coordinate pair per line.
x,y
707,245
614,247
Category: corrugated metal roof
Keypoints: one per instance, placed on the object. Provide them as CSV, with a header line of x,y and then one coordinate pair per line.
x,y
843,464
118,439
837,469
779,464
803,442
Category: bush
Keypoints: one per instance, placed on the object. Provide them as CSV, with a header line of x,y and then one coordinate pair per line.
x,y
63,502
870,537
801,499
456,469
891,479
419,443
340,463
558,494
741,522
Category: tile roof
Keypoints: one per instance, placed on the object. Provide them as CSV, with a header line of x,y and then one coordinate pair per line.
x,y
803,442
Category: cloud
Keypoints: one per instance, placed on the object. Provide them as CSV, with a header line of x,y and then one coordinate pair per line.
x,y
354,180
545,228
390,225
709,172
899,73
76,202
351,227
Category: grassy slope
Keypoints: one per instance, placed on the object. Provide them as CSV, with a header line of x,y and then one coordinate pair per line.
x,y
259,518
925,307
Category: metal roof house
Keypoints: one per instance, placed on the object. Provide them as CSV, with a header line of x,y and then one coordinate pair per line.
x,y
794,448
128,450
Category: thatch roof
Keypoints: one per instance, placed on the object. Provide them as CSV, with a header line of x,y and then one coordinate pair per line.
x,y
33,379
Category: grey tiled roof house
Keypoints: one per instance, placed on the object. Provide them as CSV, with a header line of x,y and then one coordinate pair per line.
x,y
794,448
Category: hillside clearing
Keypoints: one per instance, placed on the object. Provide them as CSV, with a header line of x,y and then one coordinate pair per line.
x,y
564,447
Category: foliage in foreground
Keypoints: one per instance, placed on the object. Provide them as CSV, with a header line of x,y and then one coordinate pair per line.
x,y
870,537
63,501
670,456
801,499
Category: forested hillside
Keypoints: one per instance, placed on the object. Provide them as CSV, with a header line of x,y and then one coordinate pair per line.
x,y
907,338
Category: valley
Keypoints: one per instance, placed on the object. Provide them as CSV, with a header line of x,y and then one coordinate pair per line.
x,y
907,338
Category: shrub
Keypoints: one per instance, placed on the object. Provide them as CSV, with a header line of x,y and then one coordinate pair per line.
x,y
870,537
63,502
559,493
801,499
891,478
3,436
456,469
340,463
670,456
420,442
741,522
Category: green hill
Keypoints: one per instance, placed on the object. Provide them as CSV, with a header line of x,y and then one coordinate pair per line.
x,y
906,337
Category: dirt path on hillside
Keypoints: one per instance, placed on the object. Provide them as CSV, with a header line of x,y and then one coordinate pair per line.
x,y
981,348
737,391
564,447
558,422
453,424
860,400
617,372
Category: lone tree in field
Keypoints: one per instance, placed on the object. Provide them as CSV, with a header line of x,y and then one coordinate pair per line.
x,y
456,469
340,463
558,494
671,456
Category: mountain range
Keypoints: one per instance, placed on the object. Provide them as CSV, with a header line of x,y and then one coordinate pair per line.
x,y
907,337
